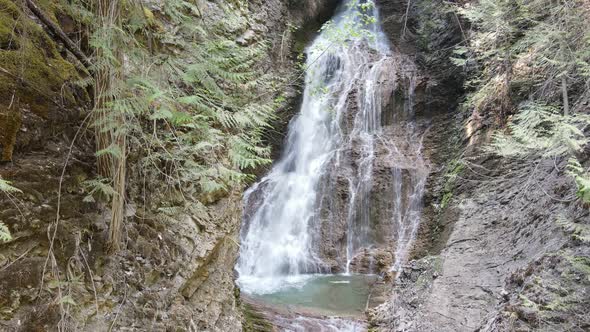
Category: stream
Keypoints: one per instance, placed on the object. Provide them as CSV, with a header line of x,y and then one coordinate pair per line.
x,y
314,237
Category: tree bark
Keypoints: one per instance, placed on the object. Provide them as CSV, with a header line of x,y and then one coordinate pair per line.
x,y
566,103
110,122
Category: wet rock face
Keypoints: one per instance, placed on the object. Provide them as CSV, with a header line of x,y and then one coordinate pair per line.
x,y
370,261
396,163
490,247
427,31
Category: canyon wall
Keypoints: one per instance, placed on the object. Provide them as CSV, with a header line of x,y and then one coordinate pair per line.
x,y
175,271
497,250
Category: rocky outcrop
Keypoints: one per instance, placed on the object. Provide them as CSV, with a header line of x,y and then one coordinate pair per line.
x,y
427,31
396,154
175,272
495,250
503,259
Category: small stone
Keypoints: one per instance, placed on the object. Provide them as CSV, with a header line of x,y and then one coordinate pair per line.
x,y
504,294
247,38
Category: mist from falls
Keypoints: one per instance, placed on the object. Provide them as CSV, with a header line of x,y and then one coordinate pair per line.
x,y
351,70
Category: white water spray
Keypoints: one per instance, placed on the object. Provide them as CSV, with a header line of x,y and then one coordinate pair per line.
x,y
341,112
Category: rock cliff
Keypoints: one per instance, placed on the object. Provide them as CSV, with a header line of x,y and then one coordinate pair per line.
x,y
175,272
495,251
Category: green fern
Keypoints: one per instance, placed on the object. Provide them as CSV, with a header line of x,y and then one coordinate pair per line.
x,y
578,231
189,99
525,50
99,187
358,24
539,129
5,186
245,153
582,178
4,233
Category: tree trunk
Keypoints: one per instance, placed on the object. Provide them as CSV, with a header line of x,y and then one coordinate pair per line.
x,y
118,203
566,103
110,123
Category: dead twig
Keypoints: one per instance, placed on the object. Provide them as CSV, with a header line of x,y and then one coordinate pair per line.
x,y
91,279
52,235
119,309
17,259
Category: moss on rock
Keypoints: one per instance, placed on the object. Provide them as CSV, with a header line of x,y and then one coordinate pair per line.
x,y
32,71
254,321
10,122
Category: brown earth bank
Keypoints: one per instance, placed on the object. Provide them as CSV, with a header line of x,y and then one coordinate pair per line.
x,y
175,271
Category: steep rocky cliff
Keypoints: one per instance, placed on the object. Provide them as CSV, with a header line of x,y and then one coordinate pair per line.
x,y
502,245
497,249
175,271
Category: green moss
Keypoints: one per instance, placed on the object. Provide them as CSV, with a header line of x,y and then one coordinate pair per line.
x,y
557,305
50,7
446,199
437,264
10,122
33,71
455,168
254,321
580,264
32,56
9,8
34,60
526,302
8,12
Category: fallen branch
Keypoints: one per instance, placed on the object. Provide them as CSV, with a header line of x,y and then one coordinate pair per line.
x,y
58,32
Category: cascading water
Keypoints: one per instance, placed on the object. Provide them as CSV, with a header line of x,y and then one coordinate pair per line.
x,y
334,142
407,195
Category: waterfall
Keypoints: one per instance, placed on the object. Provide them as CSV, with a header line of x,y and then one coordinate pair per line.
x,y
335,139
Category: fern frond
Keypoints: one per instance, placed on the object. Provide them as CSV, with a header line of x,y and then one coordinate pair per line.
x,y
578,231
582,178
6,186
100,187
244,154
539,129
4,233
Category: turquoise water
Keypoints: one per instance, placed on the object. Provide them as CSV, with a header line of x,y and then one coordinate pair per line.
x,y
342,295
